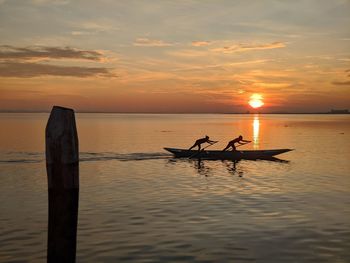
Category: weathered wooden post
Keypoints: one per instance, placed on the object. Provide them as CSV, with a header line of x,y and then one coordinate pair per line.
x,y
62,165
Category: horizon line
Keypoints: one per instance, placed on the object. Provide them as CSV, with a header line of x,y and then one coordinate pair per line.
x,y
119,112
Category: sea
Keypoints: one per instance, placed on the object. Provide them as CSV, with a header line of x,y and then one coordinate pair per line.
x,y
137,203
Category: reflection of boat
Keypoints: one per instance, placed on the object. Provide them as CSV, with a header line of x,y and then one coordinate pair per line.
x,y
229,155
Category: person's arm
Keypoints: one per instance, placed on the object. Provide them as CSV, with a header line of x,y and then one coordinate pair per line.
x,y
211,142
241,142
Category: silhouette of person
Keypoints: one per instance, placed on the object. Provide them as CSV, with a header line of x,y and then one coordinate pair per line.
x,y
201,141
238,140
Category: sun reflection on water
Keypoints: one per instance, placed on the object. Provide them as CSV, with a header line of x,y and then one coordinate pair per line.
x,y
256,127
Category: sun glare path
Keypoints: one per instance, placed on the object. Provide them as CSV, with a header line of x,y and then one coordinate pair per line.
x,y
256,127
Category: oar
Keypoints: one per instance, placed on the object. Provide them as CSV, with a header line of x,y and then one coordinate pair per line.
x,y
242,144
201,150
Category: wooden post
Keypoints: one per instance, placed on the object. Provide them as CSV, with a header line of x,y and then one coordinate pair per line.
x,y
62,165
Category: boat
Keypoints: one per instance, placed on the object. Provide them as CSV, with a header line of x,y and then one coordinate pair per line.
x,y
227,155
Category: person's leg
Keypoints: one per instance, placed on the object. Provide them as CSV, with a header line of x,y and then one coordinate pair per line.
x,y
228,146
194,145
233,148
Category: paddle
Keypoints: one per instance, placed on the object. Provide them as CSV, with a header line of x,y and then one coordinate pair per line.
x,y
196,153
242,144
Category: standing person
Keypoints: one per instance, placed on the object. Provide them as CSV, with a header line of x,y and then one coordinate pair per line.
x,y
238,140
201,141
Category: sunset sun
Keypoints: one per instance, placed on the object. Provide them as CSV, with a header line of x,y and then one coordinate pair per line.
x,y
256,101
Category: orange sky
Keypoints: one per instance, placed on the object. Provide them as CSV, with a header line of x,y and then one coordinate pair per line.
x,y
174,56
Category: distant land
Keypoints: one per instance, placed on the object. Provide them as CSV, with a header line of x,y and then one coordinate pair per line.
x,y
332,111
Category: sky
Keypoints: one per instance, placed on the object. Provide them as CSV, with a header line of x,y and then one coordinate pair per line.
x,y
184,56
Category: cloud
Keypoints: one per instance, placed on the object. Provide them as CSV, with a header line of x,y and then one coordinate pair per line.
x,y
145,42
81,33
341,83
201,43
30,70
241,47
8,52
22,62
50,2
256,61
188,53
88,28
103,25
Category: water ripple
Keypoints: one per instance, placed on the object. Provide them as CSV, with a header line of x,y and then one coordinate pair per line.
x,y
37,157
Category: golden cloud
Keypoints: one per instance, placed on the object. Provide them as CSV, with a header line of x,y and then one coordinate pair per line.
x,y
241,47
201,43
146,42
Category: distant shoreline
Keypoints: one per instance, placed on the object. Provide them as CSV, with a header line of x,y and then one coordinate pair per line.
x,y
199,113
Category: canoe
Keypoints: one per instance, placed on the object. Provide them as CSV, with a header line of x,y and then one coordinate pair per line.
x,y
227,155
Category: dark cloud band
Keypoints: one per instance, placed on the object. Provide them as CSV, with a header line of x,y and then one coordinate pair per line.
x,y
341,83
22,62
41,52
30,70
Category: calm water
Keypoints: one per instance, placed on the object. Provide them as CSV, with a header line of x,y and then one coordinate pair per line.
x,y
138,204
